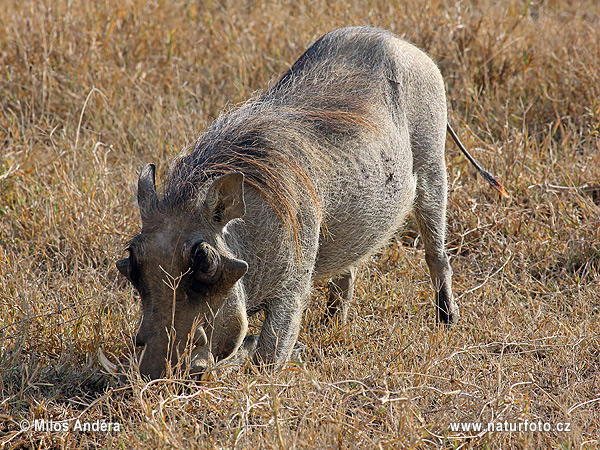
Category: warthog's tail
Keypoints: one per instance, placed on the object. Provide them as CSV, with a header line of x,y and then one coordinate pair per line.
x,y
484,173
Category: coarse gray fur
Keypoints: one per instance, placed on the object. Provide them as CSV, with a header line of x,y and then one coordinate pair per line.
x,y
301,184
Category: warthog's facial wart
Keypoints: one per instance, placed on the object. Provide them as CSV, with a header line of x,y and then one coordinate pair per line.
x,y
192,303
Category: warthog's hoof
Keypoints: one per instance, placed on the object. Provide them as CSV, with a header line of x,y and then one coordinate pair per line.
x,y
249,345
207,371
297,351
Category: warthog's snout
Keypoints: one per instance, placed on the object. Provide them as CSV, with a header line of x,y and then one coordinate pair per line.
x,y
200,357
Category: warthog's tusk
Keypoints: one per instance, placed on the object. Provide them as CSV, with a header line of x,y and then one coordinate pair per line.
x,y
110,367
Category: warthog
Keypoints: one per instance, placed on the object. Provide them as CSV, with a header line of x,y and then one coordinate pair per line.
x,y
300,184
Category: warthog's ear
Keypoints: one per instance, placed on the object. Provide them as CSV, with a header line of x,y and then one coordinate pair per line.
x,y
225,198
147,198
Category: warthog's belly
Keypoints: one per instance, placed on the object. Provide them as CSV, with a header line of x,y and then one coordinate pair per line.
x,y
367,205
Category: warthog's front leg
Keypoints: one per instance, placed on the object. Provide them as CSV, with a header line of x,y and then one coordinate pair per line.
x,y
279,331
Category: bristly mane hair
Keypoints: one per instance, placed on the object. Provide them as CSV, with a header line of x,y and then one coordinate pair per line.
x,y
281,140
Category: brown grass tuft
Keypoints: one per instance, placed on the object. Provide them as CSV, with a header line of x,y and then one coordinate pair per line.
x,y
91,91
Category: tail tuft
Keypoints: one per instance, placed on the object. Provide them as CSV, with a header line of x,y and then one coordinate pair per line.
x,y
494,183
484,173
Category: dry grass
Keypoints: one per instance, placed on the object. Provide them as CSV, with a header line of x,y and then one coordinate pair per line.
x,y
89,93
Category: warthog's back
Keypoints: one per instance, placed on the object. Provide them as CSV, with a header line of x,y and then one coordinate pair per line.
x,y
397,93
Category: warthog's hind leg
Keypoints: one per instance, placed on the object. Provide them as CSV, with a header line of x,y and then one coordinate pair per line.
x,y
341,290
430,212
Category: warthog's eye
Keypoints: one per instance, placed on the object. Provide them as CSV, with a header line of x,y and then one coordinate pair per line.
x,y
206,263
213,272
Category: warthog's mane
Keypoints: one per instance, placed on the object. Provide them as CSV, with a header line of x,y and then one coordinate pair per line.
x,y
282,140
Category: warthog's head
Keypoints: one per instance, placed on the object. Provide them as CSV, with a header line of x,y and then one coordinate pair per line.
x,y
192,302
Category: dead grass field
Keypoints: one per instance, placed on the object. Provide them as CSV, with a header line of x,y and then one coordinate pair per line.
x,y
91,91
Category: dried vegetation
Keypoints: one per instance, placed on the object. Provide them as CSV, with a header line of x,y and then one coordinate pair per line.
x,y
90,91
